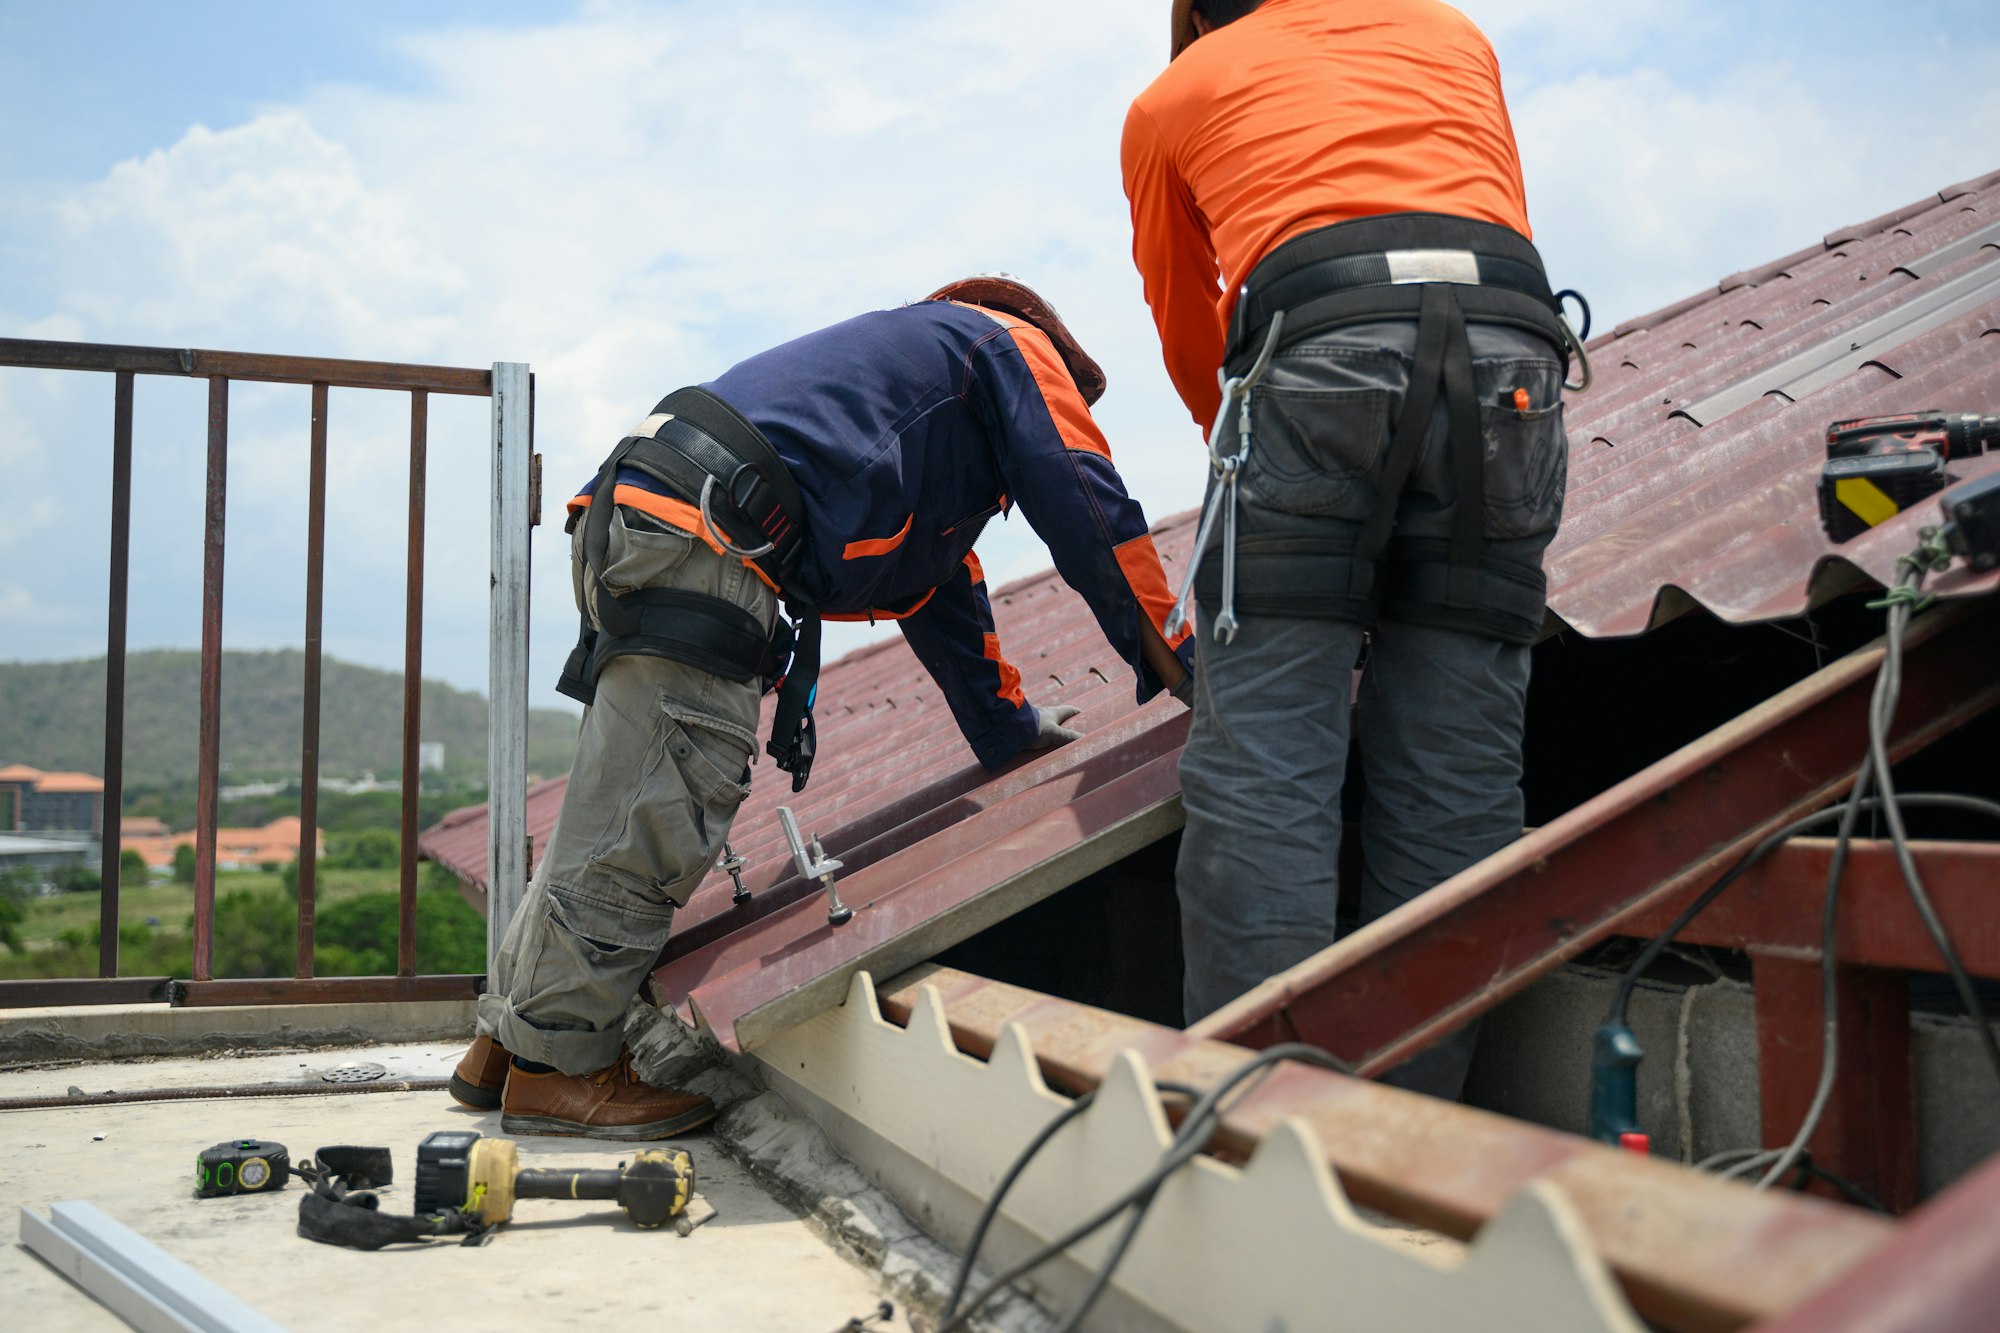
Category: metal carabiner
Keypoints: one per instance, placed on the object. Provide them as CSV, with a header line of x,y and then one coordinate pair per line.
x,y
721,539
1225,468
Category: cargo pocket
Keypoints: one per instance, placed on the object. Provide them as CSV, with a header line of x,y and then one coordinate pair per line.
x,y
641,551
681,805
1312,449
1527,466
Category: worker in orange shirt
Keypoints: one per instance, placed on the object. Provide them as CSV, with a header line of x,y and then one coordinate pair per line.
x,y
1387,457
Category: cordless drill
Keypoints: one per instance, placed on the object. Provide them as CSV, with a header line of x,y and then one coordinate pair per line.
x,y
1877,467
458,1170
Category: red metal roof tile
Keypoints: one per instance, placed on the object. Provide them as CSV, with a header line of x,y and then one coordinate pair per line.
x,y
1667,511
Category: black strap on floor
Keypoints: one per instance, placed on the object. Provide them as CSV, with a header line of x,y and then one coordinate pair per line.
x,y
334,1213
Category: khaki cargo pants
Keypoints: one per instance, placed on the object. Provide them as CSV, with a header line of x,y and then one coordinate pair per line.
x,y
661,767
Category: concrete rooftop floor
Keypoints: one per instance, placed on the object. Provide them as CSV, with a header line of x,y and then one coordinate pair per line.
x,y
757,1264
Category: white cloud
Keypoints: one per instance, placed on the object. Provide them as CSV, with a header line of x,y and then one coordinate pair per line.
x,y
1643,191
634,197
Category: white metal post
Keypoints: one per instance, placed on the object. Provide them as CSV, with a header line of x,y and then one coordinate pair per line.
x,y
507,668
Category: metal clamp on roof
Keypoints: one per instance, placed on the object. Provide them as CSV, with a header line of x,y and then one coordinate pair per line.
x,y
815,864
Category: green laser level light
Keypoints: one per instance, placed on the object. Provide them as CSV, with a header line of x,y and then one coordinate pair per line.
x,y
459,1171
241,1166
1877,467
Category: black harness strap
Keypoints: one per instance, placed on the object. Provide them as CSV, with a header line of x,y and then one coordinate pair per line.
x,y
706,632
1443,273
697,445
1433,328
1468,457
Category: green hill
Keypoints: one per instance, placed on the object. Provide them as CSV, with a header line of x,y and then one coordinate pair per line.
x,y
52,717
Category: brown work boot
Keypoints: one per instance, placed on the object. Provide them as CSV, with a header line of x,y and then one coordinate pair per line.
x,y
609,1104
481,1074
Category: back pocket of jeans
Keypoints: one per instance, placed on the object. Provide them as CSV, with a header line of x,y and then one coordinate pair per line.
x,y
1313,448
1527,467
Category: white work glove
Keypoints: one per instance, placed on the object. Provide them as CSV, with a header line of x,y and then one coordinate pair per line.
x,y
1049,728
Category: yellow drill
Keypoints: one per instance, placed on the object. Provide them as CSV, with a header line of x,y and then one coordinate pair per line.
x,y
461,1171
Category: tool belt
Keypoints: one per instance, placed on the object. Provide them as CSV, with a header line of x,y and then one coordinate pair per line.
x,y
702,449
1444,273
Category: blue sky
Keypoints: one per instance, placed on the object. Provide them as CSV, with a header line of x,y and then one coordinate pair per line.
x,y
631,195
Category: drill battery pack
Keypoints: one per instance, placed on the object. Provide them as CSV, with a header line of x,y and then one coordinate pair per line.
x,y
1864,491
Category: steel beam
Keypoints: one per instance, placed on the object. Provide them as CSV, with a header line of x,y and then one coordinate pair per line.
x,y
1399,984
322,990
111,806
1868,1132
413,685
1775,906
1939,1273
1692,1252
309,711
35,354
208,757
1773,913
507,651
55,992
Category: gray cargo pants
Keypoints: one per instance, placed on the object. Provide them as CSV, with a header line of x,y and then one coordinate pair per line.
x,y
1438,717
661,767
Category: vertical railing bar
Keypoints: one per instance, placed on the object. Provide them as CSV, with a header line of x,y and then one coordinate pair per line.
x,y
111,835
209,756
507,668
413,663
315,643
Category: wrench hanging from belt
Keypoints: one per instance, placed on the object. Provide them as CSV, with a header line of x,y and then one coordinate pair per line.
x,y
1227,468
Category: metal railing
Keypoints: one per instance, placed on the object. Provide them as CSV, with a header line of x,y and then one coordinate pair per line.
x,y
510,387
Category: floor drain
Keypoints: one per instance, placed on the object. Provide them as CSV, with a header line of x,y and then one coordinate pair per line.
x,y
354,1073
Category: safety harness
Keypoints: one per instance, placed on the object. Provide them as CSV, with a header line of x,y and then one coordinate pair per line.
x,y
702,449
1444,273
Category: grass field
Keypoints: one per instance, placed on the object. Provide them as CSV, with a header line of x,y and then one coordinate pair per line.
x,y
48,919
255,928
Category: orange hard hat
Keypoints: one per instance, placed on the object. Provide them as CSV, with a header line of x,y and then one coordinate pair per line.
x,y
1009,295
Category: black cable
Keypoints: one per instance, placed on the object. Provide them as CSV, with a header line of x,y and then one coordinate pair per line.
x,y
1807,1167
1878,745
1656,946
1195,1131
1901,602
1027,1154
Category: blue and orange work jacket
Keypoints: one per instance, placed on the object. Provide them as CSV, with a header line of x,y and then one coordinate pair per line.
x,y
905,431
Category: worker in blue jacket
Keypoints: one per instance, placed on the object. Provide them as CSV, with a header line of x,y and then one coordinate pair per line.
x,y
843,474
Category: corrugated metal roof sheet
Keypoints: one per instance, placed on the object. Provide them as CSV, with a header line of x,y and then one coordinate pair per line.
x,y
1694,458
1694,464
458,841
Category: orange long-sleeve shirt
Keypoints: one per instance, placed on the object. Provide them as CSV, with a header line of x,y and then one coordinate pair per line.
x,y
1301,114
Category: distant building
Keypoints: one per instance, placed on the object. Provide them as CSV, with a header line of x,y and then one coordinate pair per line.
x,y
48,820
32,801
235,848
430,756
